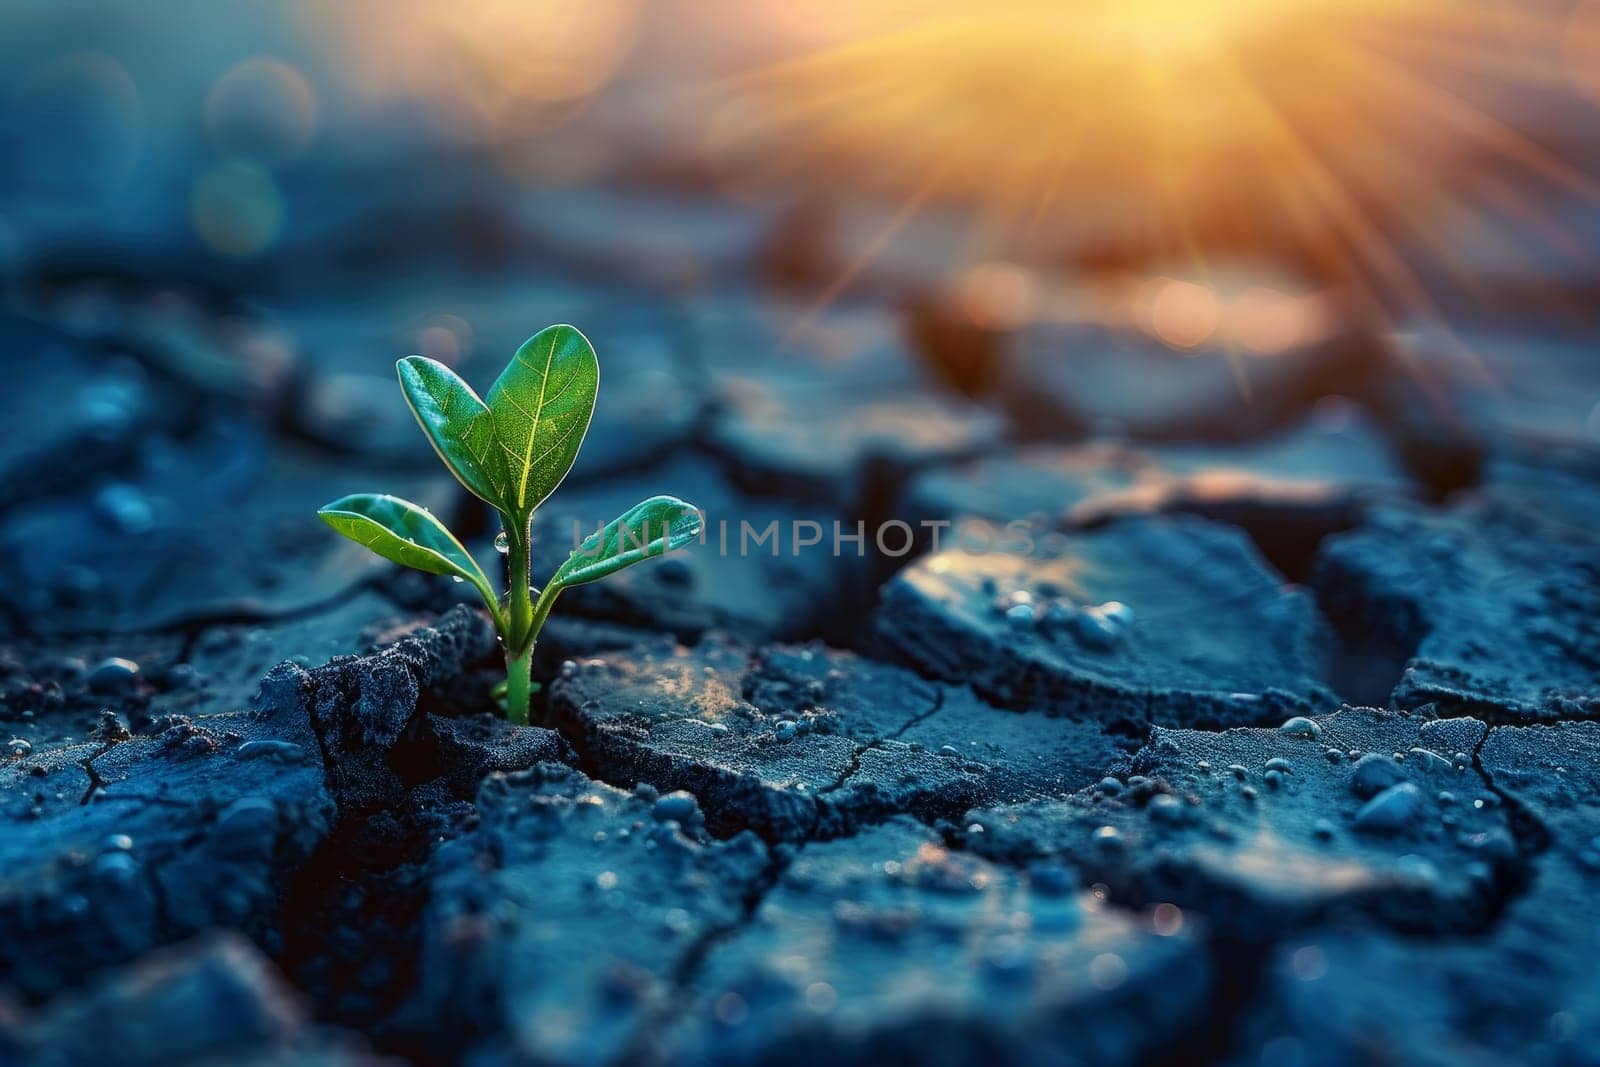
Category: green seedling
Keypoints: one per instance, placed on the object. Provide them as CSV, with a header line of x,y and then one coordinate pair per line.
x,y
511,451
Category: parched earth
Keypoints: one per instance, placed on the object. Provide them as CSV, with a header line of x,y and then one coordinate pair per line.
x,y
1127,729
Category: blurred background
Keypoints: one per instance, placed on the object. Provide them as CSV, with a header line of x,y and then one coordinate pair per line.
x,y
1157,220
1406,148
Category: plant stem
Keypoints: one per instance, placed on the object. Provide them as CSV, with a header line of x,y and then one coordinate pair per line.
x,y
524,618
519,632
519,608
519,673
541,612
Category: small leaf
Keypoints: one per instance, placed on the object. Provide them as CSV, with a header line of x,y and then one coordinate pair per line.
x,y
458,424
647,530
398,530
541,405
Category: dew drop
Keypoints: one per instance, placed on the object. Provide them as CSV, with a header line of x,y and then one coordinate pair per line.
x,y
1300,728
502,544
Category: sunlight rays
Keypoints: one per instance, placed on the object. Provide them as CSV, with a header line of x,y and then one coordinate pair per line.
x,y
1333,131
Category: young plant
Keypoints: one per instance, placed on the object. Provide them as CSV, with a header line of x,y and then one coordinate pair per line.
x,y
511,451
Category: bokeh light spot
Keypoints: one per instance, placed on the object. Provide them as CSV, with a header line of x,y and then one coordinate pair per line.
x,y
87,127
446,338
1108,970
1309,962
821,997
1183,314
237,209
1267,322
262,108
997,295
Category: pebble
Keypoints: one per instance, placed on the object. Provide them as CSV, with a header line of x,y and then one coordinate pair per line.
x,y
1392,811
1110,787
1058,615
1418,867
1108,837
119,868
1020,615
109,728
247,825
1300,727
1277,763
1167,808
184,675
1373,773
287,751
1103,626
126,507
1009,602
107,407
1429,760
113,675
1238,770
1496,844
678,806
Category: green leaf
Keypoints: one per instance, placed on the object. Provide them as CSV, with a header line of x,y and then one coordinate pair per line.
x,y
458,424
647,530
399,530
541,406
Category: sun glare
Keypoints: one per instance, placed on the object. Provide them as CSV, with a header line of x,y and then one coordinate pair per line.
x,y
1170,30
1317,135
